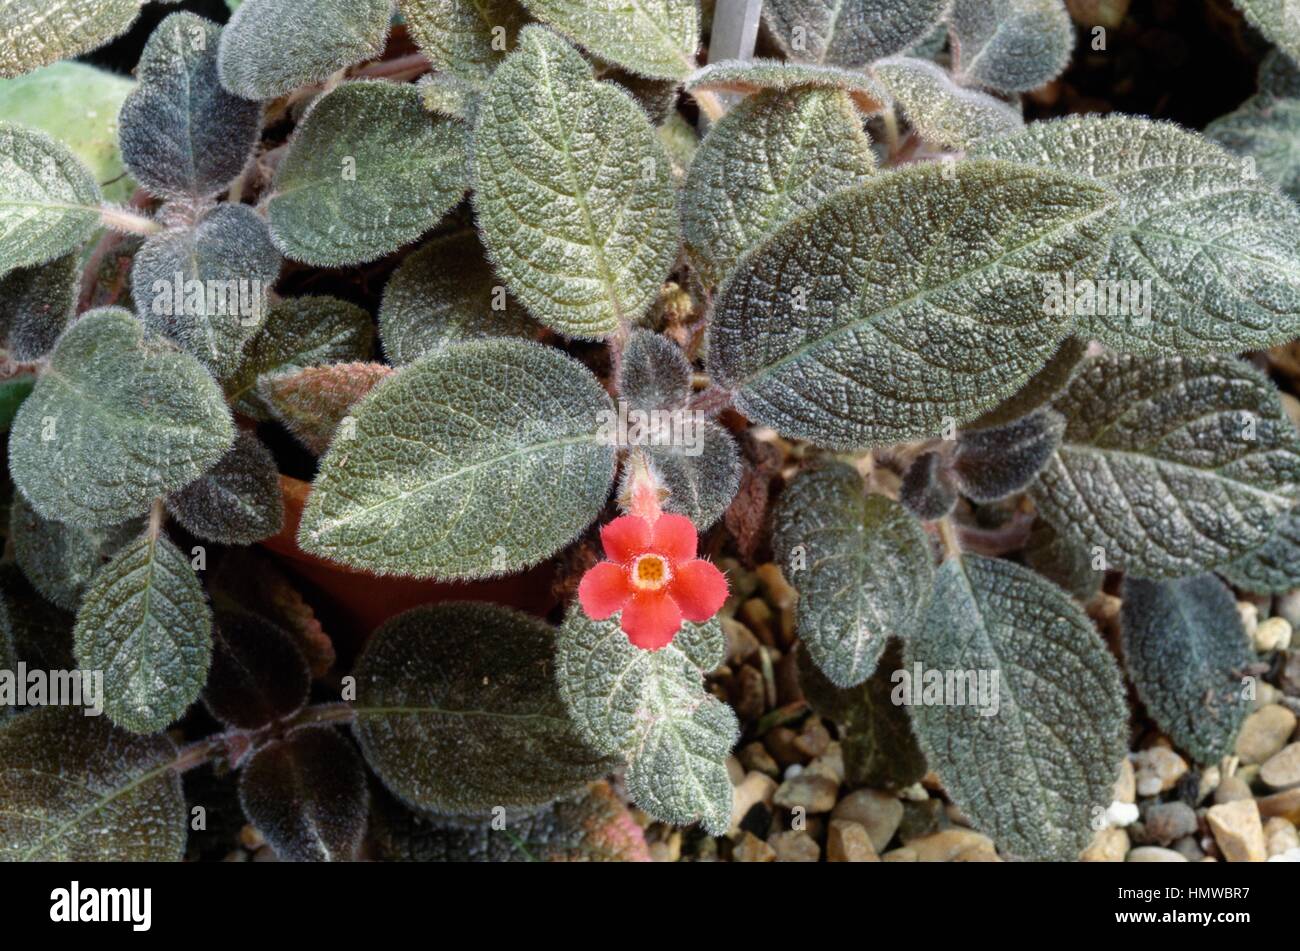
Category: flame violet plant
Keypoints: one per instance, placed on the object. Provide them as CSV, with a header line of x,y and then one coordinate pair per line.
x,y
562,312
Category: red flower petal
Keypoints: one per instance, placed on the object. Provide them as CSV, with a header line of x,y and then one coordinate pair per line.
x,y
651,619
674,537
625,538
603,590
699,589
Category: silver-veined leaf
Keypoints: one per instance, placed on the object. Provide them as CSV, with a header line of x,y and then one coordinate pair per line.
x,y
144,622
35,33
478,461
1010,45
368,170
915,298
1032,757
1266,130
238,501
1170,466
458,712
116,420
849,33
863,567
655,38
651,708
49,203
941,111
60,559
573,191
467,38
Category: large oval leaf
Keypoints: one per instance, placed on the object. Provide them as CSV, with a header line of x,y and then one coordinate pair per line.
x,y
271,47
1215,241
775,155
467,38
654,38
182,134
478,461
862,564
1010,45
1032,757
116,420
37,32
915,298
49,203
1186,653
849,34
651,708
457,711
145,623
574,191
1171,466
368,170
73,788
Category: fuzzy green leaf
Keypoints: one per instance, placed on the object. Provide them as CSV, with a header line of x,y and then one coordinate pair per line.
x,y
1033,773
453,472
1279,76
991,464
774,156
1278,20
1216,242
74,788
258,674
849,34
116,420
1171,466
35,33
49,203
467,38
749,76
238,501
863,567
1010,45
574,191
307,795
314,402
271,47
1266,130
457,711
651,708
916,298
207,287
1063,562
368,170
654,373
183,136
1186,653
941,111
655,38
444,94
702,476
1273,567
59,560
445,293
145,623
299,332
36,304
928,489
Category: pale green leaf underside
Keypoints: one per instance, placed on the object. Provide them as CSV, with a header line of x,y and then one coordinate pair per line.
x,y
849,32
748,76
35,33
1216,242
862,565
655,38
574,191
941,111
49,203
1171,466
443,294
914,297
146,624
1278,20
467,38
116,420
1267,130
368,170
458,712
773,156
271,47
651,708
73,788
1033,775
1185,651
478,461
1010,45
1273,567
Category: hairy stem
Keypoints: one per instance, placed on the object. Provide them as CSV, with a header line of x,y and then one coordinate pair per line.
x,y
127,221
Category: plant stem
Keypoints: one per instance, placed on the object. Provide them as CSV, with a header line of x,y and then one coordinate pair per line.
x,y
712,401
128,222
948,538
403,68
235,744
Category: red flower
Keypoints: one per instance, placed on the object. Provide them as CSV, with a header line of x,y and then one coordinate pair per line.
x,y
653,577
